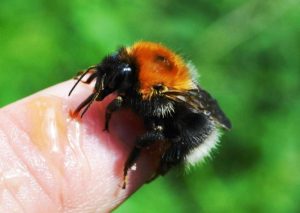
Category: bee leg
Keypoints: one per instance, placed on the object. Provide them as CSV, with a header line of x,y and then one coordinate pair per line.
x,y
173,156
85,105
131,159
166,162
144,141
115,105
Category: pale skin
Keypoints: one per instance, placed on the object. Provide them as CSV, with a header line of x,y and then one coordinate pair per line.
x,y
50,162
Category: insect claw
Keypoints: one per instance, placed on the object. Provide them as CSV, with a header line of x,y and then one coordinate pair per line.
x,y
73,114
125,180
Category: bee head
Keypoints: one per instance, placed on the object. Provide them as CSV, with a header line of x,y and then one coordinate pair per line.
x,y
117,73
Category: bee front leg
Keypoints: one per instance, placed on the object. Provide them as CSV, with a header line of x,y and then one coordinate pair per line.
x,y
114,106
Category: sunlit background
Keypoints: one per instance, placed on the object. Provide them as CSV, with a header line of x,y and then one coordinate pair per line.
x,y
248,56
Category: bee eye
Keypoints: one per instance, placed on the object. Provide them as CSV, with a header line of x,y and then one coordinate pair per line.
x,y
126,69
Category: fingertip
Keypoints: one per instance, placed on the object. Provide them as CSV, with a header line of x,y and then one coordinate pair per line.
x,y
91,160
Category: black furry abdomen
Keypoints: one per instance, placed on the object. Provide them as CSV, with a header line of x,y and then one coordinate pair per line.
x,y
186,130
173,123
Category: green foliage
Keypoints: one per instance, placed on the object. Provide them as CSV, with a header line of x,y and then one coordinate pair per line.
x,y
248,56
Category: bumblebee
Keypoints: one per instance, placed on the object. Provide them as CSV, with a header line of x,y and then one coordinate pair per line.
x,y
158,85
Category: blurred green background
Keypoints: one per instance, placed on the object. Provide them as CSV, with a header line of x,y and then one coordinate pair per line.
x,y
248,55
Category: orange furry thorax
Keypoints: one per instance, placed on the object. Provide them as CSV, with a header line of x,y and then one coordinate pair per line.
x,y
159,65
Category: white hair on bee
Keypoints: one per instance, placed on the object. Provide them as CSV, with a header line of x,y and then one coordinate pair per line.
x,y
193,70
203,150
165,110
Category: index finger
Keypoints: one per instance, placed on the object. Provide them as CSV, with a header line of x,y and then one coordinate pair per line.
x,y
76,164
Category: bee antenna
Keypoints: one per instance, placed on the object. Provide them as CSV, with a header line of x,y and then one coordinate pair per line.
x,y
81,77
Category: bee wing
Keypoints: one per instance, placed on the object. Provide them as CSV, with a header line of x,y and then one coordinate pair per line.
x,y
201,101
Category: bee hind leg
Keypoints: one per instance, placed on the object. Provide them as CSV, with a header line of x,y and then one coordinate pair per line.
x,y
145,140
172,157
